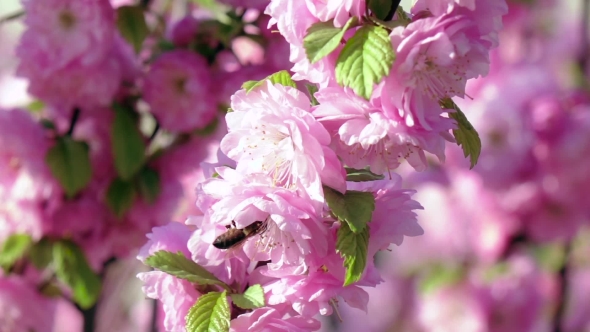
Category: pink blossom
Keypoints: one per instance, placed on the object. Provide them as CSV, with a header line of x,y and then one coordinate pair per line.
x,y
26,184
513,300
437,55
61,32
487,14
393,217
271,131
451,308
177,296
177,88
293,18
184,31
23,309
171,237
314,292
270,319
46,52
365,135
339,11
292,228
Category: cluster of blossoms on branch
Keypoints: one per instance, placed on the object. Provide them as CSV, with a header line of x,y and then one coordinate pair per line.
x,y
303,194
506,243
127,104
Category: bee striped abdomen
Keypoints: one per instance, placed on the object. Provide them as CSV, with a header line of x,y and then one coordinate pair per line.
x,y
234,236
229,239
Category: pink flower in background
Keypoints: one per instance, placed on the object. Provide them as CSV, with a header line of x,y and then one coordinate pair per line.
x,y
271,131
23,309
264,319
178,89
62,32
451,308
514,299
26,184
72,40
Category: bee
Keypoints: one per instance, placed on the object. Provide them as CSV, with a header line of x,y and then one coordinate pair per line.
x,y
234,237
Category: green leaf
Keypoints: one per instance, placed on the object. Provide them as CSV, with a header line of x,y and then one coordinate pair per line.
x,y
120,196
323,38
466,136
132,26
210,314
440,276
36,106
208,129
41,253
218,10
252,298
365,59
128,144
361,175
353,247
13,248
148,182
282,77
354,207
47,124
402,17
72,269
69,162
181,267
312,89
383,9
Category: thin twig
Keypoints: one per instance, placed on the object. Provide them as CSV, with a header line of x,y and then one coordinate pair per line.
x,y
563,276
75,117
12,17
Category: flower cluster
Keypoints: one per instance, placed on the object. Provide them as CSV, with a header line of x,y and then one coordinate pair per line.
x,y
124,112
302,196
505,245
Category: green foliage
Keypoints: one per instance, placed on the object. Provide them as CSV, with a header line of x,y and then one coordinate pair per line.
x,y
466,136
383,9
181,267
252,298
312,89
282,77
440,276
41,253
128,144
354,207
353,247
120,196
322,38
148,183
365,59
69,162
72,269
132,26
13,249
361,175
210,314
